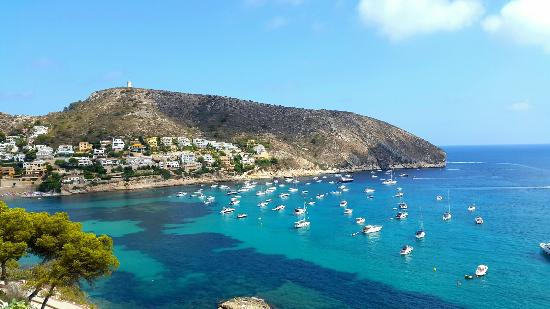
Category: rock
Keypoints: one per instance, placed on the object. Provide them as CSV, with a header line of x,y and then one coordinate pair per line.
x,y
244,303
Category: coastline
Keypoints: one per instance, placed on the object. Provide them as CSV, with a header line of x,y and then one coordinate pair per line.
x,y
151,182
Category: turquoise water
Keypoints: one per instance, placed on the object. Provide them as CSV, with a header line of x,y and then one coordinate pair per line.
x,y
179,253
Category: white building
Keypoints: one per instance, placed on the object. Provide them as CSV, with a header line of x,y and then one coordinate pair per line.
x,y
99,153
188,157
84,161
247,160
169,164
259,149
184,141
72,179
200,142
39,130
19,157
44,152
118,144
167,140
142,161
208,158
108,162
12,139
65,150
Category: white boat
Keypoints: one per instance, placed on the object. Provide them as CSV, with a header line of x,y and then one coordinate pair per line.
x,y
420,234
210,199
479,220
399,194
370,229
320,196
224,187
284,195
406,250
311,203
232,192
374,176
348,211
343,203
260,193
279,208
342,187
181,194
447,216
439,198
336,192
235,202
234,199
403,175
403,205
472,208
242,216
292,190
545,247
401,215
481,270
227,210
214,186
360,220
301,224
369,190
299,211
262,204
305,192
331,182
345,190
390,181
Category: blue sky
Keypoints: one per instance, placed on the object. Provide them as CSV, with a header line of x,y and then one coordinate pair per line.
x,y
451,71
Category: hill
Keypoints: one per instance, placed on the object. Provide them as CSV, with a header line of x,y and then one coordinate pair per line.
x,y
299,138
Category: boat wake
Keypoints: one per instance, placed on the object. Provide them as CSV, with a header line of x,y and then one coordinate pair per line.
x,y
465,162
506,188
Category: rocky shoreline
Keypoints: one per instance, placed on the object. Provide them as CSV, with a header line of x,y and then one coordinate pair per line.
x,y
244,303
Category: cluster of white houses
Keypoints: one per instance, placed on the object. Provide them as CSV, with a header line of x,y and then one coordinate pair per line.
x,y
164,152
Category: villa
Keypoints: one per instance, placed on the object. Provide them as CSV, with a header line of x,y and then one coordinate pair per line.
x,y
65,150
118,144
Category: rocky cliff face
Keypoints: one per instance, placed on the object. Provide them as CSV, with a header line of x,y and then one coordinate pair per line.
x,y
300,138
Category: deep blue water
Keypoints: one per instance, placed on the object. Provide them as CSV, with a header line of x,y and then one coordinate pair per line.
x,y
178,253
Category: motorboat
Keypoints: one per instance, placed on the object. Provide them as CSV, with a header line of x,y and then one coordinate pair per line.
x,y
305,192
343,203
292,190
242,216
348,211
331,182
214,186
224,187
260,193
420,234
311,203
300,224
336,192
299,211
210,198
360,220
370,229
472,208
374,176
401,215
181,194
481,270
345,190
406,250
235,198
279,208
232,192
320,196
399,194
284,195
545,247
262,204
345,179
235,202
479,220
369,190
227,210
439,198
342,187
447,216
370,196
403,175
403,205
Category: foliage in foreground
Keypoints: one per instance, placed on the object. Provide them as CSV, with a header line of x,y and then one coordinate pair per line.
x,y
68,255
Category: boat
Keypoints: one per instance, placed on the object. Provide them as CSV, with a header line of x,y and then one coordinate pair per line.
x,y
305,192
468,277
320,196
401,215
299,211
403,175
345,190
345,179
447,215
479,220
472,208
210,199
370,196
279,208
370,229
420,234
403,205
311,203
300,224
374,176
284,195
545,247
439,198
369,190
262,204
242,216
336,192
406,250
343,203
235,202
227,210
232,192
399,194
342,187
348,211
224,187
260,193
292,190
390,181
481,270
214,186
360,220
181,194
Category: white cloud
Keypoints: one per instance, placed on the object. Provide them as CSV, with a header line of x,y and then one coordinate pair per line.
x,y
524,21
521,106
276,23
400,19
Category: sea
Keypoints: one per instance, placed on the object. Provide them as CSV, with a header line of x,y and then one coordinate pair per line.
x,y
177,252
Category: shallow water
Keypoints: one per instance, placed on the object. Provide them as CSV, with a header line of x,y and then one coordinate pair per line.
x,y
178,253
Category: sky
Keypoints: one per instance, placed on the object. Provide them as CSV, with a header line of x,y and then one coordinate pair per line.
x,y
455,72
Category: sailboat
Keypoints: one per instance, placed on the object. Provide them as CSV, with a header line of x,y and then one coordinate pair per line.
x,y
447,215
390,181
302,223
420,234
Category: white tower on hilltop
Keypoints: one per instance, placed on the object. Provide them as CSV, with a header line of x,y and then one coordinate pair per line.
x,y
129,84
